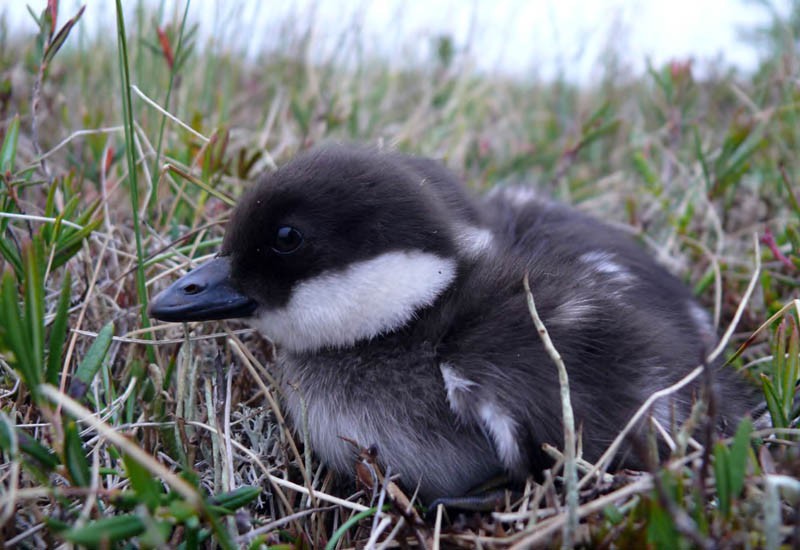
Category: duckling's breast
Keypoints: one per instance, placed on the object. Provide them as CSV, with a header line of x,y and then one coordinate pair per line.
x,y
392,399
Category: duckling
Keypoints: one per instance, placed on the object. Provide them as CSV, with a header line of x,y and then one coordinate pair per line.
x,y
395,299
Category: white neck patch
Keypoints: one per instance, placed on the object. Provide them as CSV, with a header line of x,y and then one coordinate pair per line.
x,y
364,300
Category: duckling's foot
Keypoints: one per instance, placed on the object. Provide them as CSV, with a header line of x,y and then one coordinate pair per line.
x,y
484,502
483,498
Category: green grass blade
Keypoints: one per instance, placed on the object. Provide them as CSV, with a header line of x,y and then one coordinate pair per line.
x,y
230,201
127,110
334,540
156,170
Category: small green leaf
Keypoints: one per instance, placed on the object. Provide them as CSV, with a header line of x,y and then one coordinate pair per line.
x,y
701,156
75,457
56,525
58,332
182,510
91,362
300,114
597,116
50,203
156,535
595,134
739,452
51,233
237,498
793,235
12,334
71,207
790,367
45,23
36,18
45,456
773,403
34,306
613,514
147,488
126,500
739,146
722,477
8,152
9,443
58,40
699,510
648,174
49,211
11,255
69,245
106,531
792,197
778,346
661,532
84,217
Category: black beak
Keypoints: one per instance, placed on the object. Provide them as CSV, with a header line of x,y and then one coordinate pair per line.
x,y
203,294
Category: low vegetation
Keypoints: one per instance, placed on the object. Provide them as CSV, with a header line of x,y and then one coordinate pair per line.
x,y
120,155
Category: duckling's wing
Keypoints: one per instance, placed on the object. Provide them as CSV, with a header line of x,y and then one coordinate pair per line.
x,y
476,404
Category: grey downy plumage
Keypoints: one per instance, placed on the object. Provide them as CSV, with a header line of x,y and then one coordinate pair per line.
x,y
395,299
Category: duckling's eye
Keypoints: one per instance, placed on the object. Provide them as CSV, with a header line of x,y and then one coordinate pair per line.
x,y
287,240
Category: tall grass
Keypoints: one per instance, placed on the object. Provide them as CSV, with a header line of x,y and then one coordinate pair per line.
x,y
120,155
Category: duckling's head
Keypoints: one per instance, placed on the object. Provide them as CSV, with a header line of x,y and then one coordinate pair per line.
x,y
338,246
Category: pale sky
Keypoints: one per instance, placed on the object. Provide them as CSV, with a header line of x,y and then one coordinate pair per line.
x,y
512,36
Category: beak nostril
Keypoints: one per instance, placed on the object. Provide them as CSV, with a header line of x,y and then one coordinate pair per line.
x,y
192,288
